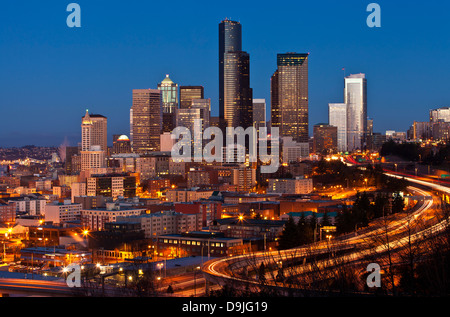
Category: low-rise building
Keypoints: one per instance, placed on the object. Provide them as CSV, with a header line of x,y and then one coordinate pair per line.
x,y
165,222
62,212
198,243
185,195
298,185
95,219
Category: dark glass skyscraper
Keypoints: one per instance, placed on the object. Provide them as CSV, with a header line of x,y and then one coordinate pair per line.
x,y
235,94
289,96
189,93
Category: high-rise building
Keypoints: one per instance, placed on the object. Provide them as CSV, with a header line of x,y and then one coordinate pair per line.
x,y
186,118
146,120
259,113
325,138
169,94
204,105
238,105
289,96
337,116
94,158
230,39
355,97
293,151
94,141
235,94
440,114
422,130
121,144
189,93
94,131
70,152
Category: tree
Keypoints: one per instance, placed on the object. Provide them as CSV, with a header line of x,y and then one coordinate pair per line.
x,y
326,221
398,204
380,205
305,233
262,274
289,237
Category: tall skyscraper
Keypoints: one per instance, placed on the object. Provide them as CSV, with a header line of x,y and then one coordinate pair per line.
x,y
355,97
94,141
169,94
337,116
230,39
289,96
238,105
146,120
188,93
94,131
235,94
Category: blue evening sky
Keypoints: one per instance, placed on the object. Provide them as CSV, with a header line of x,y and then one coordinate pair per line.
x,y
50,73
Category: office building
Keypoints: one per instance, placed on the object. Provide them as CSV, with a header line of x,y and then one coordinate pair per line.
x,y
298,185
422,130
94,131
146,120
230,39
198,243
169,93
337,116
204,105
259,113
165,222
293,151
92,159
186,117
325,139
189,93
121,144
111,185
62,212
95,219
355,97
289,96
440,114
235,94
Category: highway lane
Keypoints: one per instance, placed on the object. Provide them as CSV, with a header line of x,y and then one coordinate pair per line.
x,y
28,286
217,269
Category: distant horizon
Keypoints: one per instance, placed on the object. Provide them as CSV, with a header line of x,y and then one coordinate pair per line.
x,y
51,73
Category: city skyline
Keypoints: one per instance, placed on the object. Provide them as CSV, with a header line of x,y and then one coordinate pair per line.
x,y
244,150
34,62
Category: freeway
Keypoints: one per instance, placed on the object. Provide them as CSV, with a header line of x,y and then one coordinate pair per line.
x,y
28,287
235,269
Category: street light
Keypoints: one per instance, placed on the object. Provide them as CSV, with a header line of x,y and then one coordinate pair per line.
x,y
195,280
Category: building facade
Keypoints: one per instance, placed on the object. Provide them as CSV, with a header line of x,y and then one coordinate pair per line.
x,y
146,120
289,96
337,116
355,97
189,93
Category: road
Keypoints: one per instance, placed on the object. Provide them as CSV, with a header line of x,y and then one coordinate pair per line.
x,y
28,287
235,269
